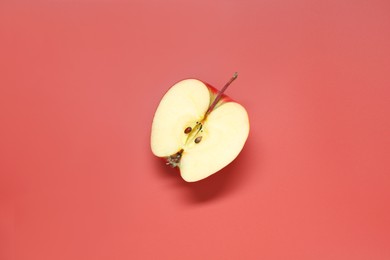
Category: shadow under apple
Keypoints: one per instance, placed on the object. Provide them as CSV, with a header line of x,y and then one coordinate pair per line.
x,y
222,183
217,185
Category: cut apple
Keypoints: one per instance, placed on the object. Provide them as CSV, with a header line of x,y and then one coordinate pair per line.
x,y
198,129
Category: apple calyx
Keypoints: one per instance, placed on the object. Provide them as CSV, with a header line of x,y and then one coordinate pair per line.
x,y
194,132
174,159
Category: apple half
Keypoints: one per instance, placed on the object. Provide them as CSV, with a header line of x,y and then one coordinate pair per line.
x,y
198,129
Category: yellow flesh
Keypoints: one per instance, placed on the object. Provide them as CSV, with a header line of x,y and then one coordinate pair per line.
x,y
224,132
184,104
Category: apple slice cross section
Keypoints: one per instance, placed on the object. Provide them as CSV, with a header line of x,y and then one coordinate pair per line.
x,y
181,107
198,130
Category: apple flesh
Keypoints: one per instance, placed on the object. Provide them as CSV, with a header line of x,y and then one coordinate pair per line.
x,y
198,129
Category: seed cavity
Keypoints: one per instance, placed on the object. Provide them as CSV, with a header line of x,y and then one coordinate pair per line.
x,y
188,130
198,139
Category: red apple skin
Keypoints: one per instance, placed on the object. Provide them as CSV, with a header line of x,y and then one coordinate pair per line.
x,y
215,91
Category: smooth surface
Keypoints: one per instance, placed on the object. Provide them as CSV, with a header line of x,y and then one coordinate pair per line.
x,y
80,81
182,106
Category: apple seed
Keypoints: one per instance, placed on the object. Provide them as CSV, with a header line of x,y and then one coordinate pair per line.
x,y
188,130
198,139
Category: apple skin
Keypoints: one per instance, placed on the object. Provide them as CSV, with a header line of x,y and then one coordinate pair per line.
x,y
214,92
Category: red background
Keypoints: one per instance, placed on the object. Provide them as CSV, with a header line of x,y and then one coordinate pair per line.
x,y
80,82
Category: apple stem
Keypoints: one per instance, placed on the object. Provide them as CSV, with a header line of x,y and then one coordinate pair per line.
x,y
219,95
